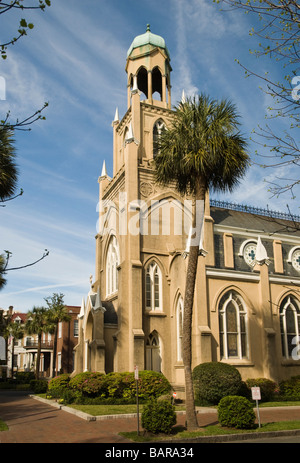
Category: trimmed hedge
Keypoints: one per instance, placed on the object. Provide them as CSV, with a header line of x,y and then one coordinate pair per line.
x,y
58,385
236,412
111,388
267,387
39,386
215,380
290,388
158,416
90,384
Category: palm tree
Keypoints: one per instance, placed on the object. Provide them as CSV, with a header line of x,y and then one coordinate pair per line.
x,y
2,270
14,331
38,323
201,150
8,168
57,314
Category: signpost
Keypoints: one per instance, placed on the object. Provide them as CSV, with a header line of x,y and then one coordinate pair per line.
x,y
255,391
136,377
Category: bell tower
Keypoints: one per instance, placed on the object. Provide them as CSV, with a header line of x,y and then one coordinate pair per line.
x,y
148,69
121,278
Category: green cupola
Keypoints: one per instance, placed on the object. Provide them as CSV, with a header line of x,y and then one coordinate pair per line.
x,y
150,39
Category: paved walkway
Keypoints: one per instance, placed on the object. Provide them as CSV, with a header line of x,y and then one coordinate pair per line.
x,y
32,421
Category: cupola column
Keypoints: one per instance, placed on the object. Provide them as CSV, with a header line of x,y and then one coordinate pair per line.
x,y
150,86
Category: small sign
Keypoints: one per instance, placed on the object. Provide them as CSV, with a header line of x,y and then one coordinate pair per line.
x,y
174,395
136,372
255,391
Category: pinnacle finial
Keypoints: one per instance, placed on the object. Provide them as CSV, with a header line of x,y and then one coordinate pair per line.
x,y
104,172
148,28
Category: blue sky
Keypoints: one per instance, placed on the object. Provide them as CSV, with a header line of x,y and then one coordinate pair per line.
x,y
75,58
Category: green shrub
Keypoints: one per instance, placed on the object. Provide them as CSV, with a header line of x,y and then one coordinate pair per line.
x,y
58,384
158,416
24,377
88,383
236,412
215,380
267,388
115,385
38,386
151,384
290,388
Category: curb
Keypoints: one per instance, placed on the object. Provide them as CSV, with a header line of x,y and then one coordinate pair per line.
x,y
87,417
200,439
236,437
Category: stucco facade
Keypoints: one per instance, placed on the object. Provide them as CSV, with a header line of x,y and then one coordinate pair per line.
x,y
247,306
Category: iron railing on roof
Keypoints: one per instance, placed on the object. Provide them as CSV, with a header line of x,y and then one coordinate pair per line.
x,y
255,210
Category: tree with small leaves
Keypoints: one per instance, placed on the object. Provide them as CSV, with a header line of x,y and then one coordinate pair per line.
x,y
278,32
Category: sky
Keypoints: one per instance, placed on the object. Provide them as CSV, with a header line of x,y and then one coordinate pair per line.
x,y
75,59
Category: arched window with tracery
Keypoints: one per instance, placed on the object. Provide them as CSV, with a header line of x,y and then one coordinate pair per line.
x,y
153,287
153,354
112,263
289,325
233,326
158,128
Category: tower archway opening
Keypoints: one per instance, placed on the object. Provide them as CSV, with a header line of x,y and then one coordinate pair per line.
x,y
142,81
156,84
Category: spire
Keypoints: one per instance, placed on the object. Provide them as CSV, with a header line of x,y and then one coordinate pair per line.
x,y
130,132
135,85
97,303
183,98
202,251
261,256
104,172
116,119
81,313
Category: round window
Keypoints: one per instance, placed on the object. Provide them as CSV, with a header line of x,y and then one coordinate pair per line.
x,y
296,259
249,253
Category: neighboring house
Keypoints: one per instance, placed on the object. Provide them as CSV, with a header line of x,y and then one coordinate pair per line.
x,y
25,349
247,300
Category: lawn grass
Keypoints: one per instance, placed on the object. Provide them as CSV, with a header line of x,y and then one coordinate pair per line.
x,y
3,426
212,430
98,410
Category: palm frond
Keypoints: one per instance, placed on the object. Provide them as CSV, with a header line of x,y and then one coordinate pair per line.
x,y
203,144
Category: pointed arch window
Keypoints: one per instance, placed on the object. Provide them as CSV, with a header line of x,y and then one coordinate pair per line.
x,y
179,327
158,128
233,326
289,325
153,287
153,354
112,263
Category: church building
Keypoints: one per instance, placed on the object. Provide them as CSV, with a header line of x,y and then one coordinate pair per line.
x,y
247,298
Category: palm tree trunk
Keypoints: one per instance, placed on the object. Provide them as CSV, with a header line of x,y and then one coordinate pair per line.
x,y
12,356
54,350
191,417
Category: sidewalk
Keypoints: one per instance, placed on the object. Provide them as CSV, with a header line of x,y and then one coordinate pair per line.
x,y
33,421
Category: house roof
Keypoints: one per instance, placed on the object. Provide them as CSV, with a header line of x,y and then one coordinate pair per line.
x,y
19,315
251,221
